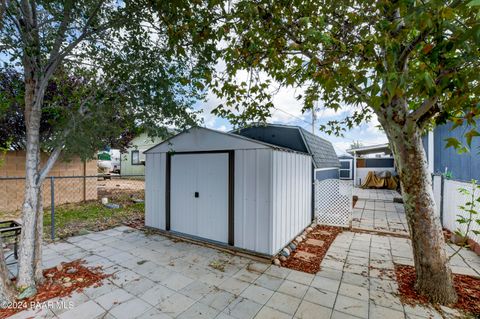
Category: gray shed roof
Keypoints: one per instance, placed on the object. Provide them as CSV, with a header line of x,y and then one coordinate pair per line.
x,y
322,150
295,138
169,144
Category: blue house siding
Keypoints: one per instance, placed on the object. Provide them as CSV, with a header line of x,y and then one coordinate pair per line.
x,y
462,166
379,162
326,174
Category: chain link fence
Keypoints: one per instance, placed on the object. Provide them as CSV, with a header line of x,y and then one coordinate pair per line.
x,y
73,204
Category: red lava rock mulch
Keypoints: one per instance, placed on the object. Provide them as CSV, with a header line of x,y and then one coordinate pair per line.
x,y
311,263
447,234
56,284
467,287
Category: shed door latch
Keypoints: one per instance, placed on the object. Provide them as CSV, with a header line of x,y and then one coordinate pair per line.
x,y
197,194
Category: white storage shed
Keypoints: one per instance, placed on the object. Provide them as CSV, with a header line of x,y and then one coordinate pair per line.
x,y
228,189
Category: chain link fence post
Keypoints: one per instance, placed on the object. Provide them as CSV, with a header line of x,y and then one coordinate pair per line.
x,y
52,208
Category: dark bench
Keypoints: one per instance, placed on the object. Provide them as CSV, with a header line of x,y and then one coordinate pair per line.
x,y
11,229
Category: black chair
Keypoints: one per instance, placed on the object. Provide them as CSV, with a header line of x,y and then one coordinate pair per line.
x,y
11,229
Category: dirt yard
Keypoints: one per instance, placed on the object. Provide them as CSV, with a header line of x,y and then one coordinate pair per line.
x,y
116,186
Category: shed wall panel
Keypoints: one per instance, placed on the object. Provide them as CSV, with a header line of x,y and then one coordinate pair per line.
x,y
253,199
291,196
155,190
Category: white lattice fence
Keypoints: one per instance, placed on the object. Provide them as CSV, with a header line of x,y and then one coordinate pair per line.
x,y
333,202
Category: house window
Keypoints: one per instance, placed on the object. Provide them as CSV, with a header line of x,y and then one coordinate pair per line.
x,y
136,158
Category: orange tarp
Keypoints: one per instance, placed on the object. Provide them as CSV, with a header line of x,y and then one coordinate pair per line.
x,y
374,181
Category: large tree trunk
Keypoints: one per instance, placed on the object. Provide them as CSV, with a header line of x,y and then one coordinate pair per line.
x,y
7,291
434,277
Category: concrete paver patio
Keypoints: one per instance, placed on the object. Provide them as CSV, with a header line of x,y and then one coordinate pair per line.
x,y
156,277
376,194
375,210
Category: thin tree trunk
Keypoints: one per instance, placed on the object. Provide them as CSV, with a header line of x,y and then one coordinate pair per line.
x,y
25,277
7,290
38,268
434,277
36,81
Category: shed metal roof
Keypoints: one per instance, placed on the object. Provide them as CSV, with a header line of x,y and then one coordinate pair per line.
x,y
295,138
235,136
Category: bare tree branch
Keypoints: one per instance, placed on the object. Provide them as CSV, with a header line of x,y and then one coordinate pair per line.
x,y
61,32
425,108
26,10
15,21
403,58
356,90
430,106
3,8
55,154
49,164
56,56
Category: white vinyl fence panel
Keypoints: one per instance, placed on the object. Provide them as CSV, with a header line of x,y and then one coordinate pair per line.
x,y
452,199
333,202
437,191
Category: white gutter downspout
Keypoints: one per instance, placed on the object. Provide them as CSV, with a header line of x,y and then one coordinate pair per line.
x,y
431,155
354,168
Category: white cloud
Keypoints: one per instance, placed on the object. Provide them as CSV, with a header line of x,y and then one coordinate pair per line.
x,y
212,101
373,126
288,110
223,128
341,146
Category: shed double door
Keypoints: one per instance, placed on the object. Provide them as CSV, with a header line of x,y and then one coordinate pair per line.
x,y
199,195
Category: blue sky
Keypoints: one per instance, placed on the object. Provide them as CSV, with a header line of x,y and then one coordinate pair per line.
x,y
288,111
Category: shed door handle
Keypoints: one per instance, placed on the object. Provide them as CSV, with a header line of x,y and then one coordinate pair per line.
x,y
197,194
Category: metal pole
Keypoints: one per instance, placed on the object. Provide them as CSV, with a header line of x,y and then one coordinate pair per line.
x,y
52,207
84,181
314,117
442,188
